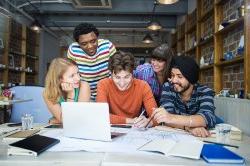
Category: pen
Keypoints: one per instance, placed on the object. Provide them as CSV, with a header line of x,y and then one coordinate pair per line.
x,y
139,116
151,118
217,143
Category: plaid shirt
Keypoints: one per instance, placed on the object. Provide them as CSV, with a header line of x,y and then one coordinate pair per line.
x,y
145,72
200,103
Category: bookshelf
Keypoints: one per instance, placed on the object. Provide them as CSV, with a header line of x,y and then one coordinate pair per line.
x,y
20,55
218,30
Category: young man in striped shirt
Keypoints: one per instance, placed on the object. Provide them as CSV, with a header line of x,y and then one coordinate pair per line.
x,y
91,55
185,103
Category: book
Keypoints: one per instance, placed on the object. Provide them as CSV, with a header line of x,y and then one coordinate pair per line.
x,y
213,153
33,145
188,149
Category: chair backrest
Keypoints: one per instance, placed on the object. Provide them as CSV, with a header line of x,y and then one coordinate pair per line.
x,y
36,107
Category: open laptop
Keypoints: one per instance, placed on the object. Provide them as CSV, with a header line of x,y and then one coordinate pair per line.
x,y
87,120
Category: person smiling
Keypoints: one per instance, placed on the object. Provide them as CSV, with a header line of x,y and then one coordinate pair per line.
x,y
125,94
185,103
63,84
158,71
91,55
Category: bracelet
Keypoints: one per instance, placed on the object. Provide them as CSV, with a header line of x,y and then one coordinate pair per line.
x,y
190,121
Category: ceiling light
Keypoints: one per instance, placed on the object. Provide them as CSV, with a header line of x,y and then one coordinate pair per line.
x,y
36,26
147,39
167,2
154,26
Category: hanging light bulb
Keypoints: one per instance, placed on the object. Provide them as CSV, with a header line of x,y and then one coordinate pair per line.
x,y
147,39
154,26
36,26
167,2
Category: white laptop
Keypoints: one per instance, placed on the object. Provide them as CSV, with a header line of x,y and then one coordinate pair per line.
x,y
87,120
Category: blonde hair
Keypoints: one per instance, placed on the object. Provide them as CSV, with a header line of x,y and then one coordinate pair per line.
x,y
57,68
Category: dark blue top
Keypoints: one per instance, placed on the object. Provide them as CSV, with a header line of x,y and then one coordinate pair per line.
x,y
200,103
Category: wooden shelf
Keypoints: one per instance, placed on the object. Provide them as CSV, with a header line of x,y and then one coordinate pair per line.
x,y
207,67
191,29
230,26
231,62
191,50
181,38
206,15
220,2
208,40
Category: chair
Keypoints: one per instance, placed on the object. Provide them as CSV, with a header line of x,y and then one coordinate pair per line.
x,y
36,107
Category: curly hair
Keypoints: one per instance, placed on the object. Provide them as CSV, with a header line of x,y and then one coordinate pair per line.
x,y
84,28
121,61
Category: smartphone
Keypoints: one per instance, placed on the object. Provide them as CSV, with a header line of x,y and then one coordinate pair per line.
x,y
121,126
54,126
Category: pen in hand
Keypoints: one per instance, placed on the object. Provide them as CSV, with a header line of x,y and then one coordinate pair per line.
x,y
139,116
150,119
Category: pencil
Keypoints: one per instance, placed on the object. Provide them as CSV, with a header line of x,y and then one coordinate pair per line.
x,y
151,118
218,143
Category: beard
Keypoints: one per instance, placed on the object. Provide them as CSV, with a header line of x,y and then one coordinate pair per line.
x,y
183,88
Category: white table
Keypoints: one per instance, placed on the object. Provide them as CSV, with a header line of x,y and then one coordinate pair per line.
x,y
115,159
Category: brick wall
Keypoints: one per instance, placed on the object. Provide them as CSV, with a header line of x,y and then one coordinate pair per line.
x,y
191,40
208,27
207,51
233,77
206,6
14,77
231,40
230,9
208,78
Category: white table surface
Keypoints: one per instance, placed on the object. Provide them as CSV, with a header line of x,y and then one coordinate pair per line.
x,y
115,159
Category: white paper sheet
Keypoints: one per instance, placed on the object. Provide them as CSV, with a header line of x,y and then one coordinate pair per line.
x,y
131,142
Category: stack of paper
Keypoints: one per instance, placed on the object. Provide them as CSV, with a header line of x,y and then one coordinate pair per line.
x,y
235,133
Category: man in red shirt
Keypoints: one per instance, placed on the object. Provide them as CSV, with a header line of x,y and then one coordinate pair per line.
x,y
125,94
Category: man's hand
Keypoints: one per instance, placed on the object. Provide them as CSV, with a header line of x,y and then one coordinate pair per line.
x,y
199,132
141,122
161,115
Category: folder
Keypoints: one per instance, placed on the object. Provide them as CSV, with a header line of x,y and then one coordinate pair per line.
x,y
213,153
33,145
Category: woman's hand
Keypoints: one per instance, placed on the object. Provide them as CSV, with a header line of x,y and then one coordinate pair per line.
x,y
69,89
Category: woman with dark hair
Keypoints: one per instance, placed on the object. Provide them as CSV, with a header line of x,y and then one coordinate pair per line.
x,y
157,72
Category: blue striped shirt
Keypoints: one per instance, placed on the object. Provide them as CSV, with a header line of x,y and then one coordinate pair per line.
x,y
200,103
145,72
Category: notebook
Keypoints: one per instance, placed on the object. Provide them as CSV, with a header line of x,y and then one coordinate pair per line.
x,y
188,149
213,153
33,145
87,120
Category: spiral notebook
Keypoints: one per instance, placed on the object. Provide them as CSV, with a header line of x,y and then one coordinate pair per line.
x,y
213,153
33,145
